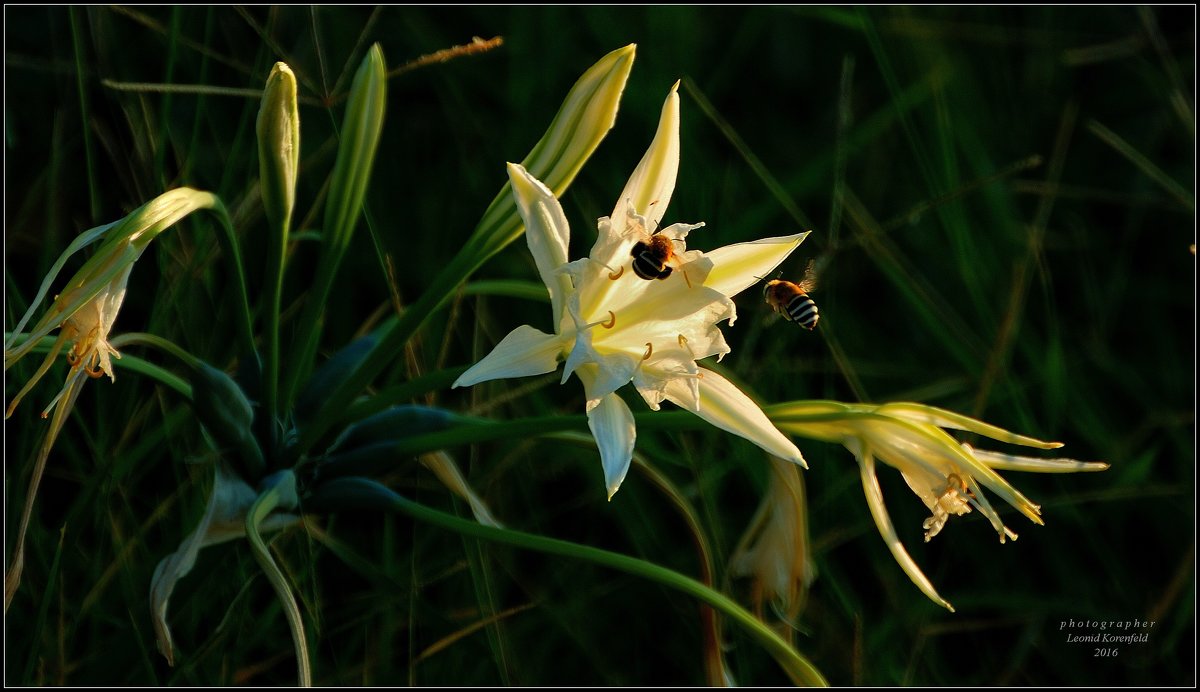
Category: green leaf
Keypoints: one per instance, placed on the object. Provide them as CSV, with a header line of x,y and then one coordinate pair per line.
x,y
348,185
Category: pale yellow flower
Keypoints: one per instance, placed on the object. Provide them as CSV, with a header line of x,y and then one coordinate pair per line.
x,y
947,476
613,327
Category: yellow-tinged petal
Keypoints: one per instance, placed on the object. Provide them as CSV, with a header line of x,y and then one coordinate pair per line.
x,y
442,465
1009,462
652,182
525,351
728,408
546,232
920,413
586,115
884,523
737,267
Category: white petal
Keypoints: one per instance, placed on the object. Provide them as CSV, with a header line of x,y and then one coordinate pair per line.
x,y
546,232
737,267
1009,462
605,372
649,188
884,523
611,423
525,351
728,408
664,366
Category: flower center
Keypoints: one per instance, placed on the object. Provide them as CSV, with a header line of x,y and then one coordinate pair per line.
x,y
84,354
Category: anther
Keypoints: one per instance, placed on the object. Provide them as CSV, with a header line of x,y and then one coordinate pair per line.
x,y
649,350
617,274
612,320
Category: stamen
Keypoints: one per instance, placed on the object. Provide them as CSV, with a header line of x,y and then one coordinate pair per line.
x,y
649,350
94,374
617,274
609,324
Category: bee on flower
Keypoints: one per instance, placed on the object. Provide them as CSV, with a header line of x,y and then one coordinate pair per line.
x,y
620,317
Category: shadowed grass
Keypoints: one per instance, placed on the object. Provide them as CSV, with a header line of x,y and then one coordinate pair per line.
x,y
1056,299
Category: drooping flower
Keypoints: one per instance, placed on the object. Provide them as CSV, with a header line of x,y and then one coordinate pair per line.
x,y
947,476
84,313
613,326
775,551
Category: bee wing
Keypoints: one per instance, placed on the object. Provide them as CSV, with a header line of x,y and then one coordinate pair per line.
x,y
809,282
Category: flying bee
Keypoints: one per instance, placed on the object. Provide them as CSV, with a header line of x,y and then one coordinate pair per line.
x,y
791,299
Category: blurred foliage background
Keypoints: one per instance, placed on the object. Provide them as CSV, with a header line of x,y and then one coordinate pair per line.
x,y
1002,202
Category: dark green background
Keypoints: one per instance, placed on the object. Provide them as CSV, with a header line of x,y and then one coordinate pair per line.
x,y
1053,300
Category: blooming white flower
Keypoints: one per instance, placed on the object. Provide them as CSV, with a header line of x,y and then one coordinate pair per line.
x,y
613,327
948,477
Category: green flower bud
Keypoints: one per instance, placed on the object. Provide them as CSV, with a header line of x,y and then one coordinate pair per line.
x,y
279,146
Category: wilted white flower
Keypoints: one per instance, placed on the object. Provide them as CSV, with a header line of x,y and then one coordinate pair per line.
x,y
948,477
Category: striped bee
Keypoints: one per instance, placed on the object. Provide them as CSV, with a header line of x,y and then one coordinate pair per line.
x,y
792,300
651,258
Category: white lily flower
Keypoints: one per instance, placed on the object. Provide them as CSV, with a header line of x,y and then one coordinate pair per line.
x,y
613,327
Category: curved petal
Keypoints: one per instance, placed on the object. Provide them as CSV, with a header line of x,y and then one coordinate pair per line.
x,y
737,267
884,523
525,351
611,423
728,408
546,232
652,182
930,415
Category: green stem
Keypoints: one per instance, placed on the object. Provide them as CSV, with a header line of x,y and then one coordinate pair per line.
x,y
266,502
274,288
229,244
798,668
165,345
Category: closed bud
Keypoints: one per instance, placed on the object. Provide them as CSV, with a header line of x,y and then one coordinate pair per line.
x,y
279,146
